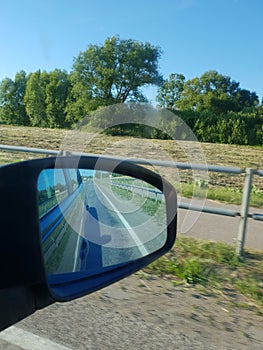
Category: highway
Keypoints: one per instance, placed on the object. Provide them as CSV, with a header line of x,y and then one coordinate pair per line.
x,y
101,228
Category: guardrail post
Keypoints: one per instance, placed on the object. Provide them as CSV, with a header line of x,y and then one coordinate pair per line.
x,y
244,212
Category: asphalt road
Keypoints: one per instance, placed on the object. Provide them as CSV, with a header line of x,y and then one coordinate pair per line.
x,y
136,314
106,230
219,228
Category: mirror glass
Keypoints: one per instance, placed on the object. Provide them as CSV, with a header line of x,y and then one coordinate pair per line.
x,y
92,220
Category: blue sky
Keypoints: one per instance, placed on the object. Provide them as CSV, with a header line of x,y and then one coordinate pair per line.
x,y
194,35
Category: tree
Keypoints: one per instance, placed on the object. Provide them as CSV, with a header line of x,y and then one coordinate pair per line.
x,y
112,73
170,92
79,102
56,93
246,99
212,92
35,98
20,83
6,101
12,107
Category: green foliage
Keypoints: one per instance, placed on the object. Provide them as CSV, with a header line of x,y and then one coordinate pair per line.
x,y
212,92
12,106
56,94
194,271
212,264
128,119
107,74
35,98
45,98
213,106
112,73
170,91
250,287
122,192
232,128
224,194
6,101
79,103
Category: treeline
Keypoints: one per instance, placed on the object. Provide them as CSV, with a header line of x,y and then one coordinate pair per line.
x,y
231,128
215,107
239,128
39,99
102,75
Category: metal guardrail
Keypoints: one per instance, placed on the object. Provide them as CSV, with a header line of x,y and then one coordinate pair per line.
x,y
244,210
168,164
28,150
258,217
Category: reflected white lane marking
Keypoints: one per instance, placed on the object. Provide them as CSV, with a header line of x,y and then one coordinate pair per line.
x,y
29,341
133,234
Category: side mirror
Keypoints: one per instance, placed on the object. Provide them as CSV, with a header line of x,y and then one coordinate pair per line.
x,y
73,225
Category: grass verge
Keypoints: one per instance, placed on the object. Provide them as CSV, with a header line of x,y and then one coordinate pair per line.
x,y
214,267
222,194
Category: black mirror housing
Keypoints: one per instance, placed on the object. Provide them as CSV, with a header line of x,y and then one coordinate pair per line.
x,y
25,284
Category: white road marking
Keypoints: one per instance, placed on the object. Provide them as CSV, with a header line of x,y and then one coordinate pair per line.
x,y
133,234
29,341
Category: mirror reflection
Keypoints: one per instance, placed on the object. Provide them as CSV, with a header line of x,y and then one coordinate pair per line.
x,y
92,220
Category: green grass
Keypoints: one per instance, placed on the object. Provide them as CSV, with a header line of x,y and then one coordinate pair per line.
x,y
215,267
222,194
151,206
122,192
148,205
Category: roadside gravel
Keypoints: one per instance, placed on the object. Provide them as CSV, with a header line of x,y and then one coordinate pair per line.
x,y
139,313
